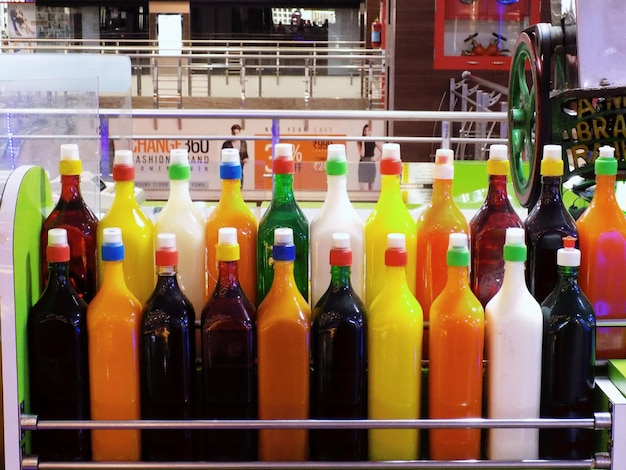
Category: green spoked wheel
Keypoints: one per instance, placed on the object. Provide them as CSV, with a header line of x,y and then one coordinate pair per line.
x,y
529,111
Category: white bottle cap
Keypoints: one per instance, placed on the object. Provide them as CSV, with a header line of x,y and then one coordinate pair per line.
x,y
498,152
396,240
227,236
230,156
123,158
284,151
283,236
112,236
341,241
457,241
552,152
606,151
568,255
444,167
69,152
57,237
391,151
336,152
515,236
166,241
179,157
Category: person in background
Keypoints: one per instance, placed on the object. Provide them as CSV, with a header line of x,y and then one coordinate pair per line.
x,y
240,145
367,165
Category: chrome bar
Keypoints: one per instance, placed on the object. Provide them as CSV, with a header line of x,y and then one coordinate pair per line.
x,y
31,423
406,464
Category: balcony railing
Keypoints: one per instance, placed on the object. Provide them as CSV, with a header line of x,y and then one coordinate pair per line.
x,y
239,69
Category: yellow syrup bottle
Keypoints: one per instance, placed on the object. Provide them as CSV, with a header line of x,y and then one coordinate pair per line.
x,y
390,215
232,211
137,229
394,358
113,328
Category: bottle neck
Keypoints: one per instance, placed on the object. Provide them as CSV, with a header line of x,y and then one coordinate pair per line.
x,y
70,187
58,274
550,189
179,189
497,192
231,190
390,187
395,276
605,189
227,273
442,190
125,191
458,278
340,276
113,275
283,187
514,274
568,274
337,188
284,279
167,271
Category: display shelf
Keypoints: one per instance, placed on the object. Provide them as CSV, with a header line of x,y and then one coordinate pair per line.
x,y
480,34
610,418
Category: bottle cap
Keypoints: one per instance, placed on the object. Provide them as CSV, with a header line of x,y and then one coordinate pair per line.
x,y
179,165
336,162
390,161
552,161
227,248
395,254
444,164
569,255
58,250
458,253
515,244
340,251
112,245
283,249
282,163
606,164
166,252
230,164
69,162
498,163
123,168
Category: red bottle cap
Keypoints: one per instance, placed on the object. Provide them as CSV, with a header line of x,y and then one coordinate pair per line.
x,y
58,250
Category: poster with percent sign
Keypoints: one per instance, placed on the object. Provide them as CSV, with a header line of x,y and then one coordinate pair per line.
x,y
309,161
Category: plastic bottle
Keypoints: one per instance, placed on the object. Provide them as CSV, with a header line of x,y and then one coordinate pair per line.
x,y
283,211
514,335
488,227
114,328
336,215
546,224
74,215
167,359
602,242
232,211
229,380
434,225
395,328
339,361
137,228
457,327
182,218
568,375
58,358
390,215
283,328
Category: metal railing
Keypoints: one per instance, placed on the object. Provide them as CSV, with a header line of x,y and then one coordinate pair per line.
x,y
206,68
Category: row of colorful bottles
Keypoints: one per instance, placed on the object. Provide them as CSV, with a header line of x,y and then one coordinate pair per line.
x,y
347,348
390,166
